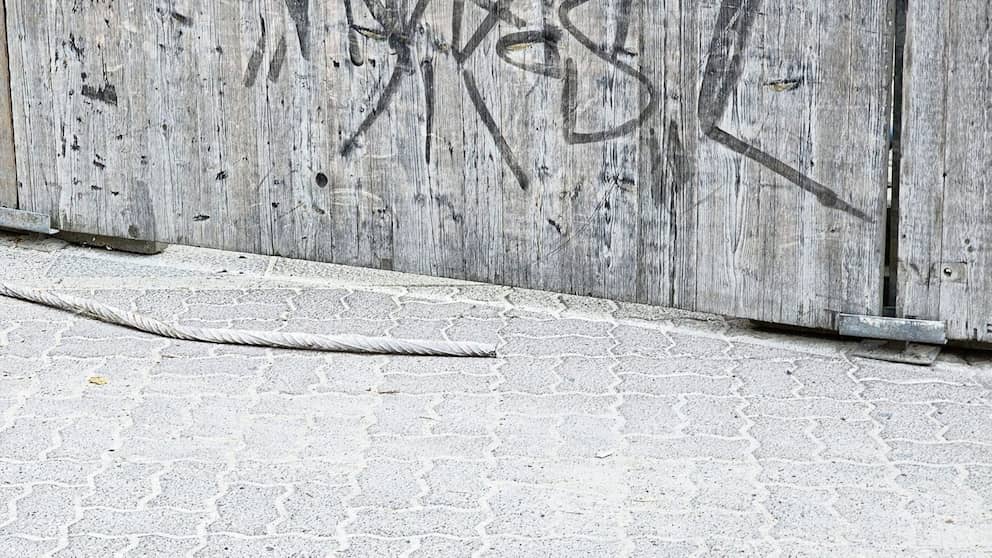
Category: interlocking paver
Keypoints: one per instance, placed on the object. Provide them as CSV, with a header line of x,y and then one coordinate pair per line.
x,y
602,429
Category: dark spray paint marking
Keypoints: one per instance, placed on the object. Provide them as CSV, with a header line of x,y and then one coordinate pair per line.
x,y
278,60
490,122
678,162
724,69
354,45
182,19
105,94
570,93
657,160
624,13
547,38
427,67
299,10
400,41
255,62
499,11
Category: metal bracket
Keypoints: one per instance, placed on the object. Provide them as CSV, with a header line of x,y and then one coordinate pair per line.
x,y
25,221
892,329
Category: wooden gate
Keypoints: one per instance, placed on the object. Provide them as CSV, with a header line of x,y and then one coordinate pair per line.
x,y
725,156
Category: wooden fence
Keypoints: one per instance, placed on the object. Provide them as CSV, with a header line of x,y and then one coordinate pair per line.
x,y
727,156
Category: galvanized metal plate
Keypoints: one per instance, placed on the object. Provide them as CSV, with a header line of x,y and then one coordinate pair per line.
x,y
893,329
26,221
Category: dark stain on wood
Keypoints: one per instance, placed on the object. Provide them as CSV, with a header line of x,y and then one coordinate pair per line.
x,y
106,93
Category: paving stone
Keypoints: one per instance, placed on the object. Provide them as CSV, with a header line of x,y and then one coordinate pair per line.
x,y
210,366
528,374
459,484
768,379
122,485
964,422
189,485
725,486
795,408
682,525
921,392
850,440
659,548
429,447
292,471
400,415
49,471
532,511
28,439
314,509
86,545
388,484
945,453
873,518
826,379
675,385
521,436
373,547
715,416
558,328
674,366
694,447
142,348
413,522
16,547
44,511
337,439
825,473
651,415
785,439
319,304
804,514
564,404
441,383
236,547
157,546
463,414
186,386
560,546
247,509
586,375
552,346
440,546
589,436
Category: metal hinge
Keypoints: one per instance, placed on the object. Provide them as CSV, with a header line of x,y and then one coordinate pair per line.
x,y
25,221
893,329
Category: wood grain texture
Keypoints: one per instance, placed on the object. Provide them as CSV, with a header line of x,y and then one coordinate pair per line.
x,y
945,266
8,174
721,156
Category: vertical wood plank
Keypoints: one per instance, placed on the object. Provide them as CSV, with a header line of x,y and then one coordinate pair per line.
x,y
8,166
945,231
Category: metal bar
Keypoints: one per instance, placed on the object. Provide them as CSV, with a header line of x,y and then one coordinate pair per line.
x,y
26,221
893,329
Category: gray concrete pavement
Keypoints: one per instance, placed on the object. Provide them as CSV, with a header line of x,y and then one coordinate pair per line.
x,y
602,430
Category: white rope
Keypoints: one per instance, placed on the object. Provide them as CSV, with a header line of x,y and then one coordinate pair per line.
x,y
303,341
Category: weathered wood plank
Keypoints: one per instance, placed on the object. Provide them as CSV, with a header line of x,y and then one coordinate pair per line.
x,y
8,173
723,156
945,268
